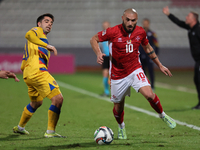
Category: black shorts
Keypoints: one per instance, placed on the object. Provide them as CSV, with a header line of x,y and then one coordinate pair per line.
x,y
106,63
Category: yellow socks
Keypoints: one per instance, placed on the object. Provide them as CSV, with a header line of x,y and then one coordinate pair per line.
x,y
53,116
26,115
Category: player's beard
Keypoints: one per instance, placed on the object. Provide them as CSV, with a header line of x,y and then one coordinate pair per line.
x,y
128,31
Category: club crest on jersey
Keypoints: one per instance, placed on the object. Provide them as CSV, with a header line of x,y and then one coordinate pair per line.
x,y
128,41
54,82
104,32
137,38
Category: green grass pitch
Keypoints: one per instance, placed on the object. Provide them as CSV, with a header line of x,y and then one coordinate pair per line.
x,y
81,115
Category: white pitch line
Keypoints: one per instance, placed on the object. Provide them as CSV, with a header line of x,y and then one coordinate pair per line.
x,y
177,88
82,91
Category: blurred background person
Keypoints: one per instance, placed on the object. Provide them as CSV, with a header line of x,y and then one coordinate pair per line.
x,y
191,24
147,63
105,65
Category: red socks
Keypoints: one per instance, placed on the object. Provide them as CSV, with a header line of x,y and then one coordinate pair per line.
x,y
156,105
118,116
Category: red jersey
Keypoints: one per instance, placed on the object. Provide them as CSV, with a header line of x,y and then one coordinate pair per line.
x,y
124,50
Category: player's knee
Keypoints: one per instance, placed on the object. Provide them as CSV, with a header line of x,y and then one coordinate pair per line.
x,y
118,108
60,100
57,100
36,105
150,96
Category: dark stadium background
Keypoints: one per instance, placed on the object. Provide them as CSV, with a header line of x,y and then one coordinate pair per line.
x,y
76,21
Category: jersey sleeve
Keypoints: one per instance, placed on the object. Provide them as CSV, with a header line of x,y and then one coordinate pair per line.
x,y
33,36
105,35
145,40
178,22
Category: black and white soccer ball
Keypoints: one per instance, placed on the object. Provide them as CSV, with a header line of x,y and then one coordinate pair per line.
x,y
103,135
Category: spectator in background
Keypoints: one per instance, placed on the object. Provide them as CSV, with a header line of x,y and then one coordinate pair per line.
x,y
191,24
105,65
144,58
7,74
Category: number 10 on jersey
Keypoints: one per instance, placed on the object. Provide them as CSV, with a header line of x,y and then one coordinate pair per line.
x,y
129,48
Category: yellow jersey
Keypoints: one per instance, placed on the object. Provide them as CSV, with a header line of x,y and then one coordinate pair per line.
x,y
36,56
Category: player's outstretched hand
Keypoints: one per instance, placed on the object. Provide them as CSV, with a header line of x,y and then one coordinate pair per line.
x,y
100,58
3,74
166,10
166,71
53,49
12,75
7,74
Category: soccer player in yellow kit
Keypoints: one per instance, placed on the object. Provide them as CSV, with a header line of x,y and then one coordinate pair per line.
x,y
40,83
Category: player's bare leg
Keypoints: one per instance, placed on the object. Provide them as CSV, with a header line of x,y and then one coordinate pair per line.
x,y
53,116
26,115
118,112
154,101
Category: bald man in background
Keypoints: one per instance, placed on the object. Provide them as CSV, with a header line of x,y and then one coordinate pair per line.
x,y
126,70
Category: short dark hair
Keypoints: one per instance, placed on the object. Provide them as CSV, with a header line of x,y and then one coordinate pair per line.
x,y
196,16
40,18
146,19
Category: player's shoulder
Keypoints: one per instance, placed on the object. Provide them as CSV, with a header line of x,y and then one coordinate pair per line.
x,y
37,29
116,28
139,28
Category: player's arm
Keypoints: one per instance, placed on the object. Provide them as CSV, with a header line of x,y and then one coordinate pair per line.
x,y
174,19
32,37
151,53
95,46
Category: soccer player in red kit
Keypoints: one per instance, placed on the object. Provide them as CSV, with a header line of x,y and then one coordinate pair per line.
x,y
126,69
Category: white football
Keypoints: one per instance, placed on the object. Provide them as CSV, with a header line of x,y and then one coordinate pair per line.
x,y
103,135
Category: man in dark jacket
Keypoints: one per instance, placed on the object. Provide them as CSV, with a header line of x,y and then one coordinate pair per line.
x,y
191,24
147,63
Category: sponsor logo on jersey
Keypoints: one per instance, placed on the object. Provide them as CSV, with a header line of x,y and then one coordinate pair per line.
x,y
149,33
35,29
119,39
128,41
